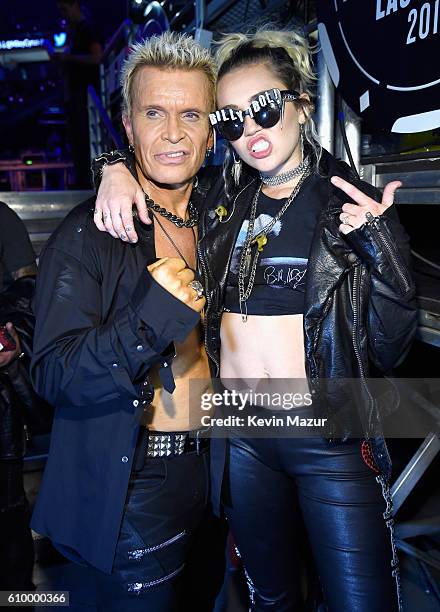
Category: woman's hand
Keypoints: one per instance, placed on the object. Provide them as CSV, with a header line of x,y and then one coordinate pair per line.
x,y
117,193
354,215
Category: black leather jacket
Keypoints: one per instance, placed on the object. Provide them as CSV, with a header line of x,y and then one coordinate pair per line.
x,y
360,311
360,308
21,410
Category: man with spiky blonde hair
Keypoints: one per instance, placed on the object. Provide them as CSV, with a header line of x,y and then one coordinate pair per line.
x,y
152,76
125,489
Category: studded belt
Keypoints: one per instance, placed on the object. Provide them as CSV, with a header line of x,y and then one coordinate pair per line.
x,y
167,444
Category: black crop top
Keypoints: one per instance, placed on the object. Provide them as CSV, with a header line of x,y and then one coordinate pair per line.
x,y
280,276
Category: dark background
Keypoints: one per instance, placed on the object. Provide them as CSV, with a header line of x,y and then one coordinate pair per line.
x,y
32,94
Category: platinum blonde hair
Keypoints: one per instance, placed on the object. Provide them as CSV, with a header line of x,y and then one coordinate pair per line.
x,y
288,55
170,50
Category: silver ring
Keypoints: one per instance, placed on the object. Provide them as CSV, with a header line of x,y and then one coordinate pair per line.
x,y
198,288
346,219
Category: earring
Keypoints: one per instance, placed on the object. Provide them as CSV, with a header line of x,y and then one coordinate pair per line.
x,y
236,168
283,103
301,132
131,148
195,182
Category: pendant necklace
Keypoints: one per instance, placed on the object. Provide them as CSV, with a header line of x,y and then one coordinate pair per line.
x,y
181,255
248,263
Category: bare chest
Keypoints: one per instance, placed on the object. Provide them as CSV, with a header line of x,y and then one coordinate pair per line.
x,y
172,241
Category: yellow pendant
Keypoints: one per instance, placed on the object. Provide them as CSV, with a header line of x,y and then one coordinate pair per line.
x,y
221,212
261,241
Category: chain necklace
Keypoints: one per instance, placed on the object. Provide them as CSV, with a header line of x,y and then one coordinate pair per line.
x,y
247,265
174,244
285,177
178,221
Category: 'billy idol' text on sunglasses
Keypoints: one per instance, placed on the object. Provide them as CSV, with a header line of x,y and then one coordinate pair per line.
x,y
266,110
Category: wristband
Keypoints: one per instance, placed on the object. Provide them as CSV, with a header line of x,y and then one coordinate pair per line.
x,y
106,159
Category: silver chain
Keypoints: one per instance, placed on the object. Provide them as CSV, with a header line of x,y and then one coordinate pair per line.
x,y
285,177
178,221
246,255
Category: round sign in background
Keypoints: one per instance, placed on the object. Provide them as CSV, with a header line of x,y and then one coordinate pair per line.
x,y
383,57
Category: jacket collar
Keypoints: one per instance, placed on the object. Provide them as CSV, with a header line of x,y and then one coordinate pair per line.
x,y
223,236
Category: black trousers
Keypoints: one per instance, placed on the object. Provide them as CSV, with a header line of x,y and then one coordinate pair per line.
x,y
346,510
16,544
170,554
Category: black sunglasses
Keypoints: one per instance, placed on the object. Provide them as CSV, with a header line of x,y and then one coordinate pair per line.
x,y
266,110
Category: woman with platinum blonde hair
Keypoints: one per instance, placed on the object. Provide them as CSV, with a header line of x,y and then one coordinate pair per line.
x,y
306,276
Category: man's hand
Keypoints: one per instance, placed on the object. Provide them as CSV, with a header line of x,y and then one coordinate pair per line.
x,y
117,193
174,276
354,215
7,356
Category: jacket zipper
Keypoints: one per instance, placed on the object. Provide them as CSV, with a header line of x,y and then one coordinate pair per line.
x,y
208,298
26,438
355,297
208,306
403,280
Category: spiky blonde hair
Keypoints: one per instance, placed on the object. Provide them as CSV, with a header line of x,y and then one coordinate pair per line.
x,y
171,50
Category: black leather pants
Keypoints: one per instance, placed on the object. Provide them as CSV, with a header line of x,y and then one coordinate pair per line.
x,y
346,509
170,551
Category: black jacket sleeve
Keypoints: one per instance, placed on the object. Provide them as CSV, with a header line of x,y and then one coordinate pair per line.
x,y
79,358
392,310
19,399
15,246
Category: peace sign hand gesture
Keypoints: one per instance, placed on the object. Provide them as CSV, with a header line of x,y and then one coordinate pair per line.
x,y
354,216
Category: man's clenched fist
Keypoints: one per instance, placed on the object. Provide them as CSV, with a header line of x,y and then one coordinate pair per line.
x,y
174,276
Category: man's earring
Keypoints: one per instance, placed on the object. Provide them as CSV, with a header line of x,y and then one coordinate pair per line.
x,y
236,168
131,148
